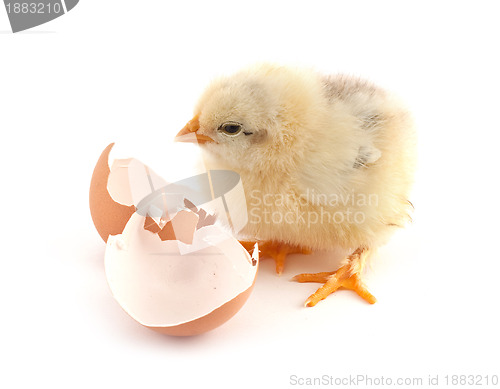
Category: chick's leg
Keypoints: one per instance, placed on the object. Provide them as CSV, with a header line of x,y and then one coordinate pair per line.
x,y
276,250
348,277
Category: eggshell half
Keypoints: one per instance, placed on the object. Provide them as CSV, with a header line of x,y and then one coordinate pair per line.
x,y
177,272
179,294
120,187
109,217
116,187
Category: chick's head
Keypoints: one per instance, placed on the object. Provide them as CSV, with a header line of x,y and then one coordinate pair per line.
x,y
247,120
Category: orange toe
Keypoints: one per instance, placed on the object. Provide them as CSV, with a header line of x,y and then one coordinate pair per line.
x,y
321,277
354,283
332,281
276,250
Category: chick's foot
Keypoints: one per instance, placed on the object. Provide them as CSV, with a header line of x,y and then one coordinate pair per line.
x,y
276,250
348,277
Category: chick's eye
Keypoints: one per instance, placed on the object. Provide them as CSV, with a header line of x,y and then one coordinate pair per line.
x,y
231,128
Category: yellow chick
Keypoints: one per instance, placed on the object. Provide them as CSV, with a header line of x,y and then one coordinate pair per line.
x,y
325,161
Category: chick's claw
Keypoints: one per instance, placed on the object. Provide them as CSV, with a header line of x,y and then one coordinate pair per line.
x,y
276,250
342,278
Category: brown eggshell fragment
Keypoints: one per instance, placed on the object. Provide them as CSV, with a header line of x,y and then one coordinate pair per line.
x,y
109,217
184,224
181,227
208,322
205,219
151,226
176,288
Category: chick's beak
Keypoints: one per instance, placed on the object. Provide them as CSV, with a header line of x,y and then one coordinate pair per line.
x,y
191,128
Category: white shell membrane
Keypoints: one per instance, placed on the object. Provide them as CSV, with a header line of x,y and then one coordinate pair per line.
x,y
159,287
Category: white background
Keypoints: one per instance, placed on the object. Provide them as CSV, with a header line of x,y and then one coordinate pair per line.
x,y
130,72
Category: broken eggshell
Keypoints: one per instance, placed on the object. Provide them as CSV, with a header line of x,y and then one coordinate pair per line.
x,y
116,189
109,216
174,293
120,187
174,272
